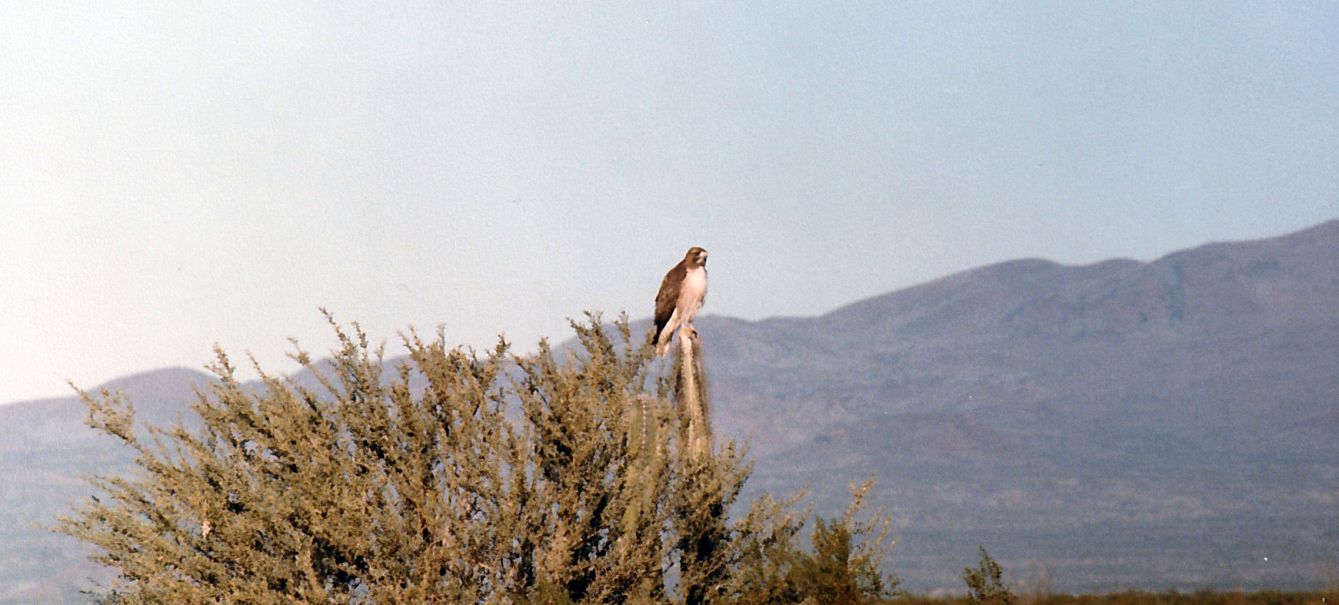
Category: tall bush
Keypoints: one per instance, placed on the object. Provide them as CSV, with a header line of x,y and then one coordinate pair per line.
x,y
584,476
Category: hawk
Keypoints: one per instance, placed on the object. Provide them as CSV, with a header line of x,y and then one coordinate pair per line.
x,y
681,295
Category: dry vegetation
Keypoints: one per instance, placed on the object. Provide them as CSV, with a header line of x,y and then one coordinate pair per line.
x,y
585,477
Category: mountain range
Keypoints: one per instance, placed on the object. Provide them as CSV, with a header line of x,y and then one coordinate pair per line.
x,y
1124,424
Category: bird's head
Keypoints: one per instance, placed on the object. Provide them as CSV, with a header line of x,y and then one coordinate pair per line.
x,y
696,257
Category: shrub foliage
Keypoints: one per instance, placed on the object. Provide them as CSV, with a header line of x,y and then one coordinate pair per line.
x,y
985,582
586,475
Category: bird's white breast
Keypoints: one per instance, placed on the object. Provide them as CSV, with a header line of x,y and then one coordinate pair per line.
x,y
694,289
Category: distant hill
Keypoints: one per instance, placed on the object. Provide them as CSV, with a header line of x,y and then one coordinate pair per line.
x,y
1122,424
46,451
1159,424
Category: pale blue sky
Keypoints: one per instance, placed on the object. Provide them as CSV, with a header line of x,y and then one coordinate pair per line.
x,y
172,177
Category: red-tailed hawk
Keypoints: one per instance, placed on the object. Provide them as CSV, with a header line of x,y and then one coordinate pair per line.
x,y
681,295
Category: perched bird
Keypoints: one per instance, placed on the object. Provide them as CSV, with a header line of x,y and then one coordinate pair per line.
x,y
681,295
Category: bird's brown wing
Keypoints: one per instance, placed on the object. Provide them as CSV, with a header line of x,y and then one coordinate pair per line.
x,y
668,297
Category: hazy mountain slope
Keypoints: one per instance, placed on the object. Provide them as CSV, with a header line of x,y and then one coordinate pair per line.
x,y
1170,423
1118,402
1032,333
46,451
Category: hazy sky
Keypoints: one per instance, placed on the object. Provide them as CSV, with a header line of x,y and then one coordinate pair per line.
x,y
174,177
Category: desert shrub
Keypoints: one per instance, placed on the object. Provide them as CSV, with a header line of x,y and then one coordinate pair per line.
x,y
587,475
985,583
